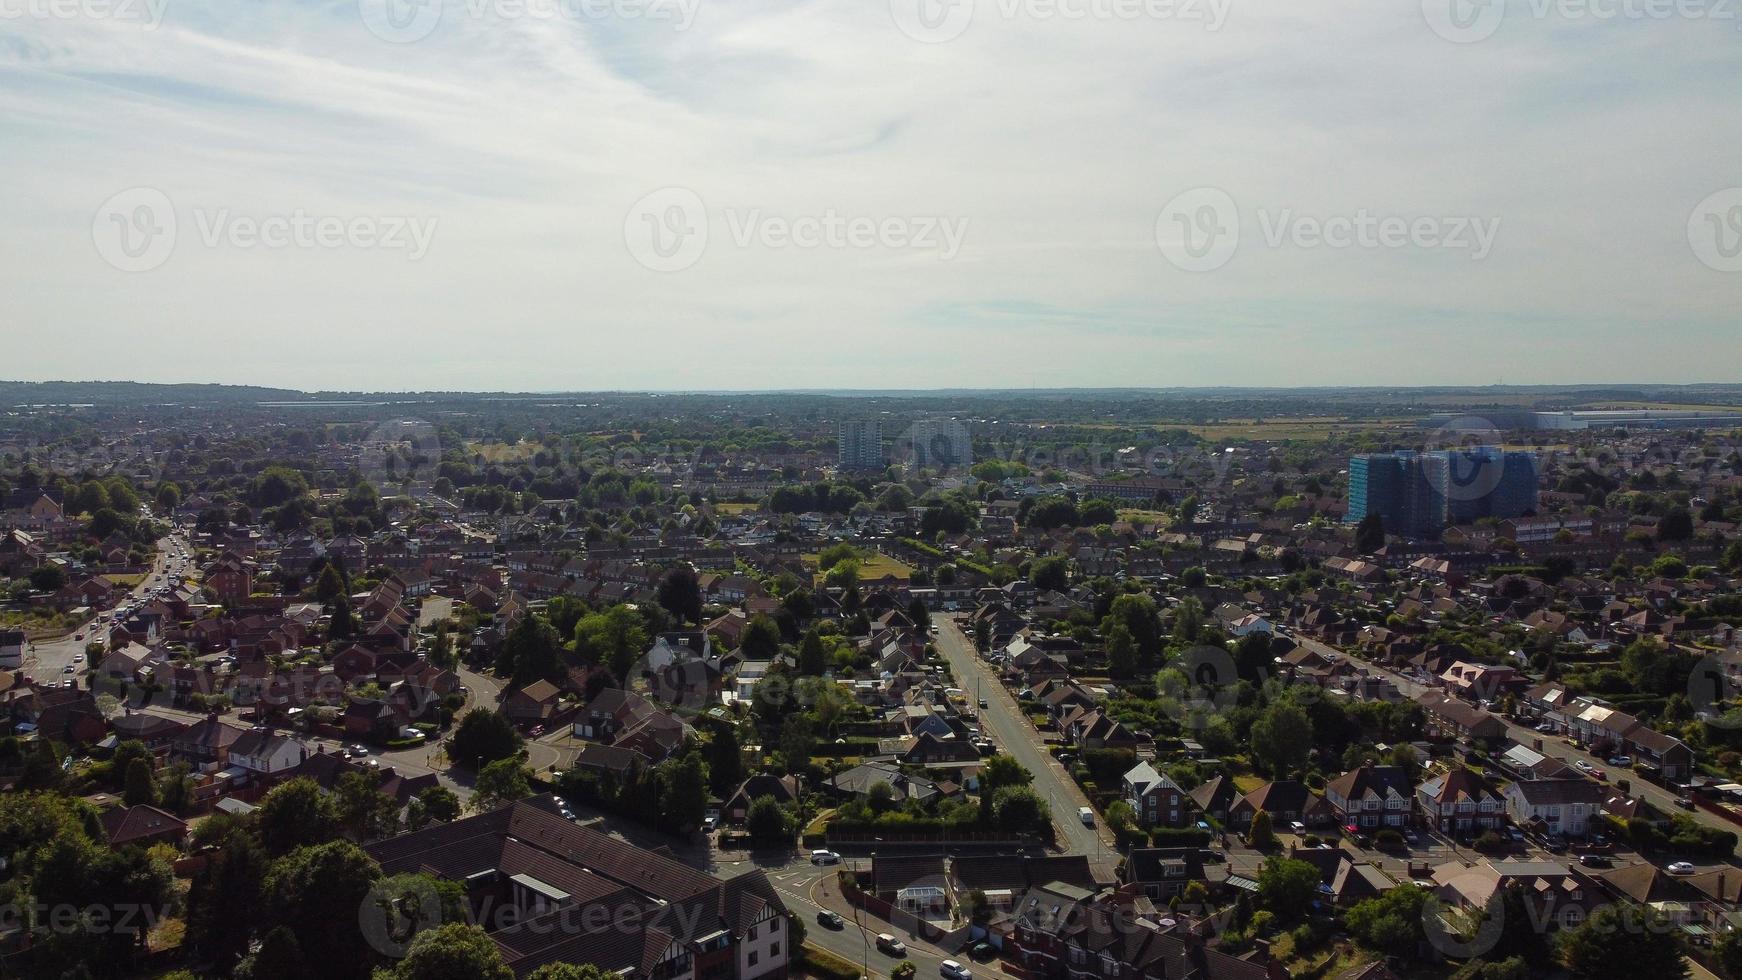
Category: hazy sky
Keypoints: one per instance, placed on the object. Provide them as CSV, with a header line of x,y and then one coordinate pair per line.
x,y
509,194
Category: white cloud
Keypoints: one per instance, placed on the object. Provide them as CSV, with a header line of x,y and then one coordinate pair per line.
x,y
1057,141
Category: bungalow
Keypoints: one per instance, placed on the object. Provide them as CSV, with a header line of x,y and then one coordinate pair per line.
x,y
141,826
1286,801
784,789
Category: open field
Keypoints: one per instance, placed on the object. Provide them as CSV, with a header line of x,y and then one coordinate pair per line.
x,y
1308,429
502,452
1660,406
872,567
734,509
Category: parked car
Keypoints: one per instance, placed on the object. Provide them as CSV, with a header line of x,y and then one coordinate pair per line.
x,y
1684,803
823,856
981,951
1583,766
1297,827
1594,861
1086,815
891,945
1621,761
710,824
1680,868
954,971
830,920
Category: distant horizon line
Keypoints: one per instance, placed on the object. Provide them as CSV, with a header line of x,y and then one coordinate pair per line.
x,y
1519,388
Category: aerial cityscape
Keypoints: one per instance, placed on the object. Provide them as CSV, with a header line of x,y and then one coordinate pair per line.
x,y
870,490
1044,685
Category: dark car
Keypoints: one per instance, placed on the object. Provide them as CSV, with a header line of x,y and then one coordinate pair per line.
x,y
830,919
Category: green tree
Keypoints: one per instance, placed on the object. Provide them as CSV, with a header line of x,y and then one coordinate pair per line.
x,y
1618,941
1021,810
365,812
761,638
1052,573
813,657
1261,836
725,760
456,951
1370,534
680,593
1390,923
440,803
1287,887
570,971
224,903
318,891
296,814
615,638
482,737
1281,738
500,783
280,958
140,788
685,800
532,651
768,821
1121,651
1728,951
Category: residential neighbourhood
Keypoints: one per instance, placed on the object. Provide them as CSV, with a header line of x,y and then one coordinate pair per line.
x,y
844,708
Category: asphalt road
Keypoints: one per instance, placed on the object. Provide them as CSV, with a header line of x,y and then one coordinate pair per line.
x,y
47,660
1014,734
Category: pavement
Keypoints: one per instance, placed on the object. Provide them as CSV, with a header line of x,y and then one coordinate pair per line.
x,y
1016,735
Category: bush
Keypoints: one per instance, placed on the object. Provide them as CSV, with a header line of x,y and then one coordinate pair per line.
x,y
1179,837
1492,841
1388,837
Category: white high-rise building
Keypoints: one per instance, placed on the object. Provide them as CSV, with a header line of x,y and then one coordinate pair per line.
x,y
859,444
938,443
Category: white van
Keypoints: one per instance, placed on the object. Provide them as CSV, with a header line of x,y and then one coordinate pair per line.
x,y
1086,815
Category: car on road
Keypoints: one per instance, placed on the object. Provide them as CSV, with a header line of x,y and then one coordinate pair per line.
x,y
1595,861
78,636
1086,815
891,945
358,751
934,630
710,824
1297,827
954,970
1583,766
983,704
1684,803
830,920
1680,868
68,669
822,856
